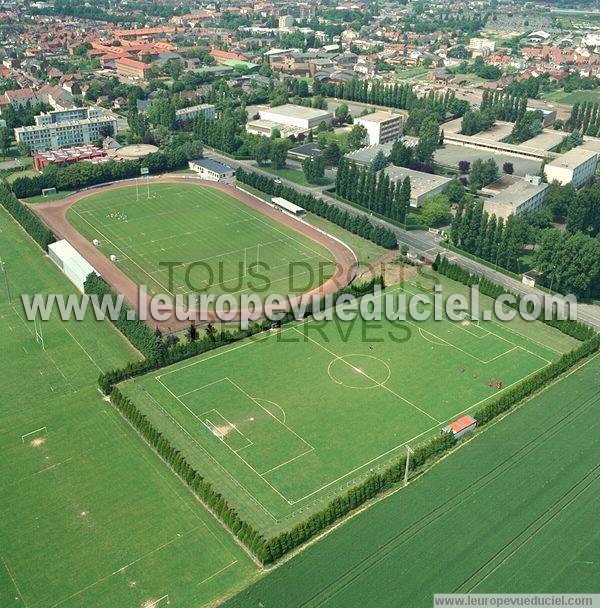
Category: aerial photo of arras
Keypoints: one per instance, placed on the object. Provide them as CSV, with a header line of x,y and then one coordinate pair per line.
x,y
299,303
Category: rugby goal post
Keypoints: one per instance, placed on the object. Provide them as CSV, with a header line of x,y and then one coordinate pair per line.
x,y
41,432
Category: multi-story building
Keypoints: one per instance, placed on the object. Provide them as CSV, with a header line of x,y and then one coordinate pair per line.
x,y
381,127
575,167
131,68
513,196
206,109
67,128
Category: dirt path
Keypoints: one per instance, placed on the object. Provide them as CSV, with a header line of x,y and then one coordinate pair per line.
x,y
54,214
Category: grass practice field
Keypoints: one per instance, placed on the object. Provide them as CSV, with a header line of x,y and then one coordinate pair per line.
x,y
195,224
514,510
89,516
283,422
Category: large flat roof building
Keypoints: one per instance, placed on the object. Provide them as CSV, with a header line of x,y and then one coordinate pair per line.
x,y
422,185
382,127
513,195
296,116
576,167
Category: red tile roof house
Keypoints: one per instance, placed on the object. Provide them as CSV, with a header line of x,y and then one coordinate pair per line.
x,y
18,98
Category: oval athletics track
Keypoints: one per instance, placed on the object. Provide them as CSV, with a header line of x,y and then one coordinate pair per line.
x,y
54,215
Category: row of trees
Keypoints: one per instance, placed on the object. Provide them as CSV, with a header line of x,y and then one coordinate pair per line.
x,y
585,117
503,105
569,263
373,190
80,175
30,222
356,223
488,237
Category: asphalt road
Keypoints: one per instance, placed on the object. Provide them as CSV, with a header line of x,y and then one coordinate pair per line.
x,y
422,243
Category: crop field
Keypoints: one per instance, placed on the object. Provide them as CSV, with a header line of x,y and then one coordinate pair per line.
x,y
215,242
514,510
281,423
89,516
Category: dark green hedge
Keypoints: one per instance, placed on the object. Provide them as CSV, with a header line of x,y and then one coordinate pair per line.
x,y
30,222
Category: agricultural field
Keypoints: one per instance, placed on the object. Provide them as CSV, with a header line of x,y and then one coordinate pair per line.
x,y
281,423
89,516
514,509
215,239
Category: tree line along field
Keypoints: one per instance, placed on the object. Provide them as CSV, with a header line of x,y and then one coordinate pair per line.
x,y
190,223
89,515
513,510
282,423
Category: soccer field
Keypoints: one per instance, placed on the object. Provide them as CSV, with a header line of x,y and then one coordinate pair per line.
x,y
215,241
513,511
281,423
89,516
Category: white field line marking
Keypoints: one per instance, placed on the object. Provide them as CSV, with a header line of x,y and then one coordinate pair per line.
x,y
217,573
215,462
213,429
199,388
288,461
12,578
46,353
63,325
283,424
367,376
123,568
165,476
240,457
123,253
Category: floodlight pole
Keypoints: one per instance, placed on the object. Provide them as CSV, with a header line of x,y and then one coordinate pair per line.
x,y
409,451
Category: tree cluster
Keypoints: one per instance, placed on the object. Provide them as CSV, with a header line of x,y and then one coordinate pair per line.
x,y
373,190
585,117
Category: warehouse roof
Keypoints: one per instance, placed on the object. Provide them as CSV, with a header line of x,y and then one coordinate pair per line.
x,y
420,183
293,111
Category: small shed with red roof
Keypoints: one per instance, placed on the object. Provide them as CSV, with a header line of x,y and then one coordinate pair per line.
x,y
461,426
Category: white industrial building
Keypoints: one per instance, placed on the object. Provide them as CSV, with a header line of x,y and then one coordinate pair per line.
x,y
296,116
422,185
75,266
382,127
576,167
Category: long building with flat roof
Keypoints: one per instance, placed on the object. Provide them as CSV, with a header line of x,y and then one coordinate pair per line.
x,y
514,195
576,167
296,116
422,185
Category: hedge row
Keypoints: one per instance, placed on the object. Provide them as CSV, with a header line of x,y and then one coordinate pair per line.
x,y
575,329
135,330
200,486
356,223
30,222
269,550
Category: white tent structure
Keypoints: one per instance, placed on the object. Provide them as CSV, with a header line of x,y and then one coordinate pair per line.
x,y
70,262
